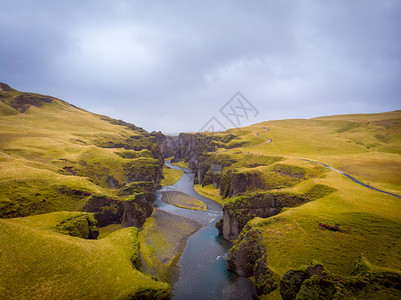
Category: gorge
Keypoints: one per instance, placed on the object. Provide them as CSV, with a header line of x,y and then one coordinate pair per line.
x,y
81,206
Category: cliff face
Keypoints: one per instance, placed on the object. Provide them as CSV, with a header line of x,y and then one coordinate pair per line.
x,y
192,147
168,145
128,213
238,211
249,258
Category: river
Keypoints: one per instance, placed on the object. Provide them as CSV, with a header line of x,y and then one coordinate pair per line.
x,y
202,268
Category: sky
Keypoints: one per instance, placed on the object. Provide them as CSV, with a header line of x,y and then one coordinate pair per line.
x,y
178,66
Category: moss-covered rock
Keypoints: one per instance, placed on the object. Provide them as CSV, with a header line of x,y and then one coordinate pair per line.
x,y
83,226
248,258
219,226
151,294
238,211
128,213
316,282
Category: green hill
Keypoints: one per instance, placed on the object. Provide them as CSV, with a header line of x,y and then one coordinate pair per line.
x,y
37,262
55,156
281,160
57,160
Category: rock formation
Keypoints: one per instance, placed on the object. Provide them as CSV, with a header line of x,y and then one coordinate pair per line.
x,y
316,282
132,212
238,211
249,258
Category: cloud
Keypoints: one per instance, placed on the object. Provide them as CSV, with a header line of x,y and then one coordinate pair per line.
x,y
171,65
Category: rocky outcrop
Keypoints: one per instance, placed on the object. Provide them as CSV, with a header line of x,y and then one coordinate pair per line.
x,y
168,145
83,226
192,147
144,169
316,282
238,211
248,258
234,183
132,212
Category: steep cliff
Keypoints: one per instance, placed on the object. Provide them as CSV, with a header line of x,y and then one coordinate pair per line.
x,y
192,146
168,145
238,211
249,258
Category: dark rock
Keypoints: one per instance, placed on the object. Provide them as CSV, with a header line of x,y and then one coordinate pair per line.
x,y
168,144
238,211
291,283
150,294
192,146
83,226
219,226
336,227
112,182
248,258
315,282
234,183
292,280
136,211
22,102
128,213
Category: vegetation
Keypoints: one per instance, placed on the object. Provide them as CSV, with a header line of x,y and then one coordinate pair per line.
x,y
162,241
210,192
39,262
367,147
55,157
181,164
171,175
183,200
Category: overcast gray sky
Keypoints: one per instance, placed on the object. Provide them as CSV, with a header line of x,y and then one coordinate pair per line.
x,y
171,65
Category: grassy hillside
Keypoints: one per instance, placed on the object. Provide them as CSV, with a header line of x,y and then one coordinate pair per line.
x,y
368,147
57,266
54,156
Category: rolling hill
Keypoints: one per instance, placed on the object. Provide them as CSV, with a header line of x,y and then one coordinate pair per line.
x,y
56,161
280,182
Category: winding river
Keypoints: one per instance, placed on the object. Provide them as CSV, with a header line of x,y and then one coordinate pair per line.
x,y
202,267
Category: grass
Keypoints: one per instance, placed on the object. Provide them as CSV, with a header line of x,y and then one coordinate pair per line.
x,y
105,231
57,266
210,192
53,147
369,225
365,146
54,157
162,240
181,164
171,175
183,200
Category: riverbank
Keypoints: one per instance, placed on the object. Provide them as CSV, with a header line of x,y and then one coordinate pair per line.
x,y
162,241
200,270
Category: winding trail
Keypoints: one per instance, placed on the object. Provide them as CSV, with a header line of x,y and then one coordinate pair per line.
x,y
268,141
